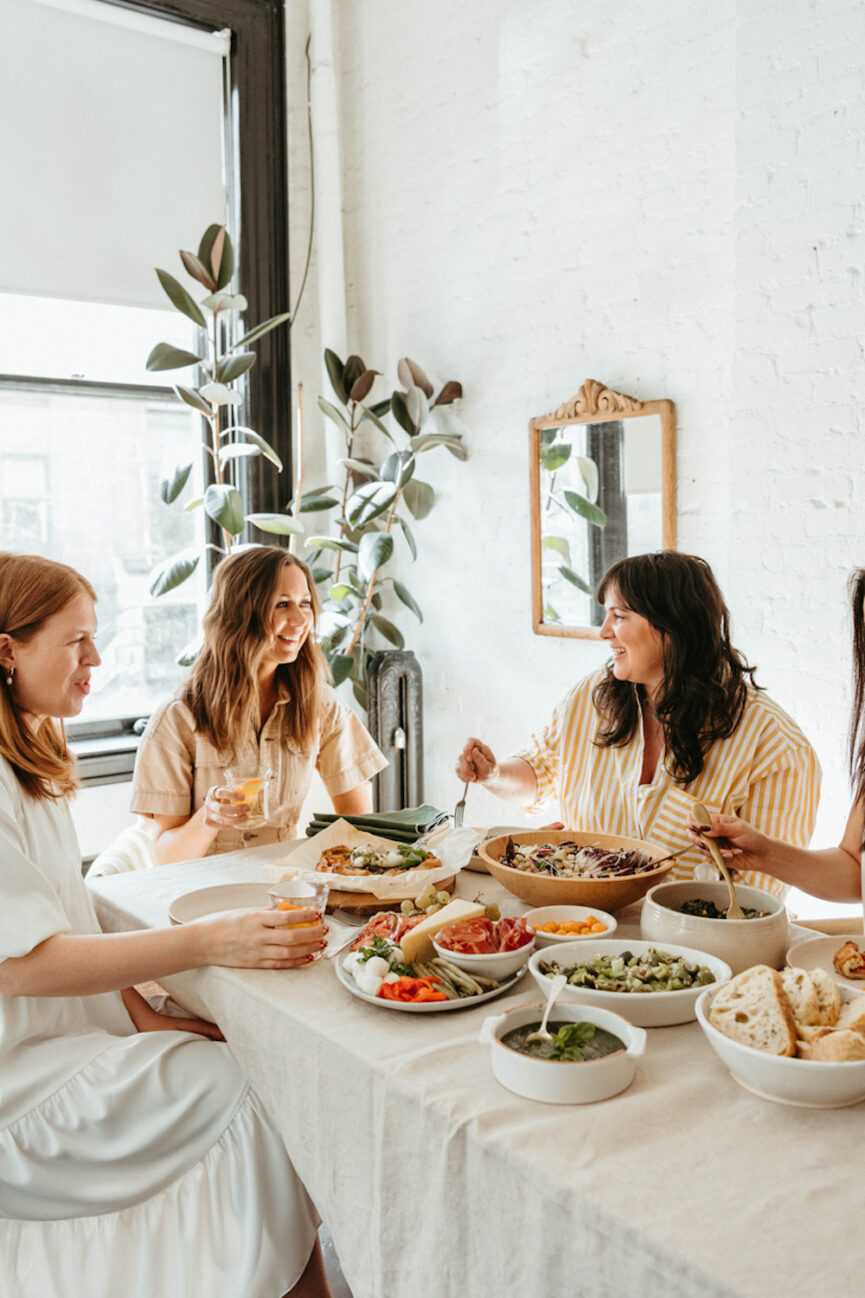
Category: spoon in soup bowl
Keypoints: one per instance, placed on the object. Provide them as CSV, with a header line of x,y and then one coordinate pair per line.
x,y
541,1033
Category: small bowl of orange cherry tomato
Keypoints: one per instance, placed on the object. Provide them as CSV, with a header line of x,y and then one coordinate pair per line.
x,y
553,924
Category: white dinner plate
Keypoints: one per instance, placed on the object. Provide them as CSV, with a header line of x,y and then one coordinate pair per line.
x,y
428,1007
819,952
222,896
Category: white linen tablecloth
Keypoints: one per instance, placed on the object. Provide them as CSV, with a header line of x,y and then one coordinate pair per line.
x,y
434,1180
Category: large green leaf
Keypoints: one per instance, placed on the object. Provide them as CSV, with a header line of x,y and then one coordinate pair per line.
x,y
354,368
166,357
226,264
331,543
407,533
198,270
224,505
340,592
237,451
191,397
369,502
329,409
554,457
336,372
408,599
205,247
251,436
559,544
231,367
398,468
388,630
420,497
220,394
362,384
173,572
417,405
375,549
426,441
171,487
280,524
586,509
260,330
180,298
576,580
358,466
341,665
313,504
401,414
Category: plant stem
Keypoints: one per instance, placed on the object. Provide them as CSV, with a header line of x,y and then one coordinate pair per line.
x,y
298,491
349,443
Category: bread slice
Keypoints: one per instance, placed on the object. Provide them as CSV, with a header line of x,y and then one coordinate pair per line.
x,y
828,996
852,1015
837,1045
802,995
753,1009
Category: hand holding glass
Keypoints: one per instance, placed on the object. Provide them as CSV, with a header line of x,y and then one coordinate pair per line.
x,y
249,787
300,894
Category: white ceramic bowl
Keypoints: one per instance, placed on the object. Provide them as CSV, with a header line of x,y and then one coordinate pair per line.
x,y
648,1009
818,952
559,1081
499,965
806,1083
741,943
558,915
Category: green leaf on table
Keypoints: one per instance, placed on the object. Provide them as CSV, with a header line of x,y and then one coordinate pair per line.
x,y
180,298
171,487
408,599
388,630
173,572
374,550
419,497
591,513
164,356
278,524
191,397
232,367
576,580
260,330
224,505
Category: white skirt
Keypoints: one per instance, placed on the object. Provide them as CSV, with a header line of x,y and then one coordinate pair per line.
x,y
192,1197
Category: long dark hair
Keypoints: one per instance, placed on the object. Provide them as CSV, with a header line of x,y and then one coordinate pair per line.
x,y
222,690
705,685
856,744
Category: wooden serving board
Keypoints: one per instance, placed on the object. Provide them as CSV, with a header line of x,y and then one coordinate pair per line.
x,y
364,903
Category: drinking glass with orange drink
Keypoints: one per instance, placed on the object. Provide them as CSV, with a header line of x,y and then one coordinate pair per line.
x,y
300,894
250,786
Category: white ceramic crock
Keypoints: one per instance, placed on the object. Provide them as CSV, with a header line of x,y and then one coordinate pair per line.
x,y
741,943
557,1081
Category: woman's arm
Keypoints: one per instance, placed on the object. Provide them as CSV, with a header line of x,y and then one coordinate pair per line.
x,y
514,780
147,1019
83,965
355,802
186,838
832,873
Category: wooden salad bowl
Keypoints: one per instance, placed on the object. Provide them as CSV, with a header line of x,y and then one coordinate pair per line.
x,y
543,890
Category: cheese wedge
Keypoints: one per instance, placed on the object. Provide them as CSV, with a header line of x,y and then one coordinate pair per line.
x,y
418,942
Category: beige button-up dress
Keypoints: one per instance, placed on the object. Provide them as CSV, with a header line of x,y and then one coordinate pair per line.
x,y
176,766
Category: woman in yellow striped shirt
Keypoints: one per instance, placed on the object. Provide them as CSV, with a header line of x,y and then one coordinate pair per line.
x,y
834,873
673,719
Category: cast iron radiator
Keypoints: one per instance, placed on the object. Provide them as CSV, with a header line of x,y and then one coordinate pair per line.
x,y
394,687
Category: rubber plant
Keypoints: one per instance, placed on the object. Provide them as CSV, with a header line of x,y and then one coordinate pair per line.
x,y
222,361
372,507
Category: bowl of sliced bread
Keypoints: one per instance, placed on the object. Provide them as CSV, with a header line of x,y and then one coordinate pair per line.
x,y
794,1037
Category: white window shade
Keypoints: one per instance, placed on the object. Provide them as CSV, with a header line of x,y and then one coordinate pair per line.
x,y
111,148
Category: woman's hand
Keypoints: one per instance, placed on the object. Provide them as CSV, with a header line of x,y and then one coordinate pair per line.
x,y
147,1019
261,939
225,809
476,763
740,843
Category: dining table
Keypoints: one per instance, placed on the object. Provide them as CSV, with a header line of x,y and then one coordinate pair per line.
x,y
434,1180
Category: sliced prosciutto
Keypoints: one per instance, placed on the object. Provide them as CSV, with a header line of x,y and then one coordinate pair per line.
x,y
485,936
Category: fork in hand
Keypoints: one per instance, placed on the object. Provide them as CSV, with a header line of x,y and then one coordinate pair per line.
x,y
460,808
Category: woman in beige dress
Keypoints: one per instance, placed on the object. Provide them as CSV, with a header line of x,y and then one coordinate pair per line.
x,y
257,699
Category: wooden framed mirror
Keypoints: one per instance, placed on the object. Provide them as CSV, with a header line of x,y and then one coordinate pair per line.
x,y
603,486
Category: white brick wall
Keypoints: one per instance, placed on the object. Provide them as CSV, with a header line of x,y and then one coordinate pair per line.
x,y
664,196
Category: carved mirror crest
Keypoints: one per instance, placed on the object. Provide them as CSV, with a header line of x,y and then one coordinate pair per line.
x,y
603,486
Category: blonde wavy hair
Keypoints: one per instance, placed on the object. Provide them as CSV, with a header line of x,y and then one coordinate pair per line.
x,y
32,589
222,689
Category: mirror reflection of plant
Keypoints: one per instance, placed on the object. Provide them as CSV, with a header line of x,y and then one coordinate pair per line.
x,y
223,363
554,455
371,507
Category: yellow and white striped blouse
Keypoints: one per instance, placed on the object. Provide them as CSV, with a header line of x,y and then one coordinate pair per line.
x,y
766,772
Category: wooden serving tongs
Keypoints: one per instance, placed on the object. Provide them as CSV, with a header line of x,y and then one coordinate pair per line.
x,y
703,822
